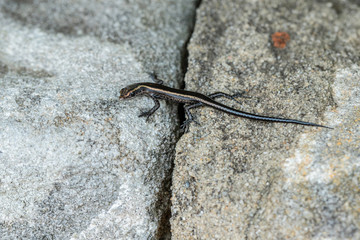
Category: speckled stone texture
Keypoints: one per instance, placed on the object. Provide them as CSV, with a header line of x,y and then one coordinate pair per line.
x,y
74,161
241,179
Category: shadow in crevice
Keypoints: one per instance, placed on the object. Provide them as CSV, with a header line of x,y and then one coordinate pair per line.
x,y
164,231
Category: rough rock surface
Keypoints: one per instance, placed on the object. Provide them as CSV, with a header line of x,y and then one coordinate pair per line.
x,y
74,161
241,179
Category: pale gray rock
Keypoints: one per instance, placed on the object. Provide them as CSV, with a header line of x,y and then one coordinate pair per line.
x,y
74,161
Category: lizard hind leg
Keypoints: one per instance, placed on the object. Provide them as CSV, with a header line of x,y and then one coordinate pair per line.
x,y
231,97
190,117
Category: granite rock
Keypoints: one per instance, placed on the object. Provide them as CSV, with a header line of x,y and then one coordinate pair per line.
x,y
242,179
74,161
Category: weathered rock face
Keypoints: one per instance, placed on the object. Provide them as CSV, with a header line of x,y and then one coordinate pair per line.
x,y
77,163
74,161
240,179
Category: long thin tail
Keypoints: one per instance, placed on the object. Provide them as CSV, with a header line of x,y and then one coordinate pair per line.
x,y
238,113
275,119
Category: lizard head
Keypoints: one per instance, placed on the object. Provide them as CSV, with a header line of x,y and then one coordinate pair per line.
x,y
129,91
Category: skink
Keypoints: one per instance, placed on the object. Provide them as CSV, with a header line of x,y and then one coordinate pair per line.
x,y
191,99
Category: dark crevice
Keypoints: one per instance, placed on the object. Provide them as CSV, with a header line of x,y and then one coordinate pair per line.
x,y
185,53
165,228
185,61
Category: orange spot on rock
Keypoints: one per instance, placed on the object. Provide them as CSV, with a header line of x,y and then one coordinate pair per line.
x,y
280,39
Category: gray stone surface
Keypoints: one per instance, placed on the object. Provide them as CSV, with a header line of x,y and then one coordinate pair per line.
x,y
74,161
241,179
